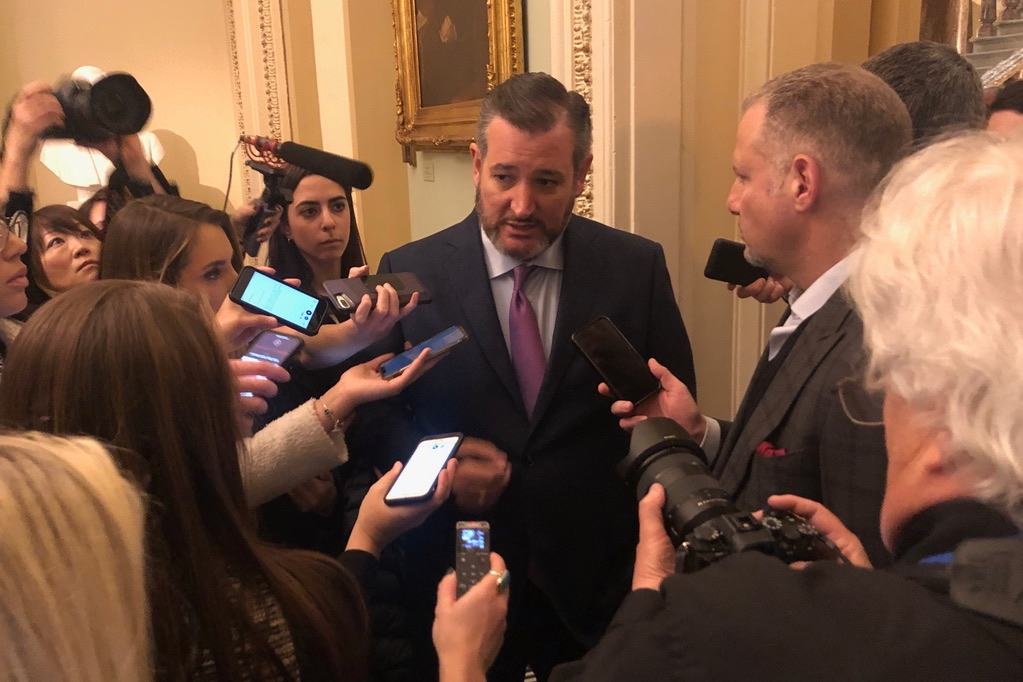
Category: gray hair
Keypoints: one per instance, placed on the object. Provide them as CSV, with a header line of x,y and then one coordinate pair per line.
x,y
938,281
847,119
939,87
535,103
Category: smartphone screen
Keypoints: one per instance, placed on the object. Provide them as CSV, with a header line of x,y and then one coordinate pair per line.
x,y
617,362
438,344
271,346
291,306
418,478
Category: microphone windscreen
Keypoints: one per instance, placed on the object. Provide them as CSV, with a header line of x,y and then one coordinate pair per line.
x,y
343,171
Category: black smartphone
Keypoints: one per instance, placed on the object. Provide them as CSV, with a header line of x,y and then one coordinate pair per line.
x,y
472,553
623,369
273,346
727,263
418,478
438,345
346,294
265,294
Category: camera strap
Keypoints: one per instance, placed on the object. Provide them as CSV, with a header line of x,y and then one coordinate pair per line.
x,y
981,575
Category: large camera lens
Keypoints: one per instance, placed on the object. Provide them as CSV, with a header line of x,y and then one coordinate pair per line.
x,y
119,104
662,452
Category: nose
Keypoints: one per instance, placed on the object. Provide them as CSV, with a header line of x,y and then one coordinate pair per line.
x,y
82,247
14,248
523,201
327,218
732,202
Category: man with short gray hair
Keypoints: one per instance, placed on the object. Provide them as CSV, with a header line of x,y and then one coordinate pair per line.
x,y
811,146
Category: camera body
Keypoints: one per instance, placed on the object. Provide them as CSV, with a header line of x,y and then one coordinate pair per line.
x,y
114,105
704,524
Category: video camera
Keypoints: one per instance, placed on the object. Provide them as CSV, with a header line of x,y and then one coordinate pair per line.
x,y
704,524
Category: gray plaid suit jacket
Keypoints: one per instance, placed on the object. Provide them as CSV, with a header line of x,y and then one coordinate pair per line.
x,y
823,455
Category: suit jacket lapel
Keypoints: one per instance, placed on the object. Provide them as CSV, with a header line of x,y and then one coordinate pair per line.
x,y
467,272
575,309
824,329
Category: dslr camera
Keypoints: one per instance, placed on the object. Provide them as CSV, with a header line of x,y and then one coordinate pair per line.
x,y
114,105
704,524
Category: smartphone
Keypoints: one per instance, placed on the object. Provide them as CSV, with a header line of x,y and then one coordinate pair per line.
x,y
438,345
272,346
265,294
727,263
623,369
472,553
346,294
418,478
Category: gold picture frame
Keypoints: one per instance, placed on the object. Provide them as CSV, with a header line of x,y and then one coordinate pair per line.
x,y
449,54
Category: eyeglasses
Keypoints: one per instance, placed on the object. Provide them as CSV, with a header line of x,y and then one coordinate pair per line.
x,y
16,224
861,405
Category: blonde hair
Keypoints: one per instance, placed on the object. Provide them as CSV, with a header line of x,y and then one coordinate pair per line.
x,y
72,579
937,282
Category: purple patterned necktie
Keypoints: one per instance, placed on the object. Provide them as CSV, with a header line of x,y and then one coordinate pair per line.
x,y
526,346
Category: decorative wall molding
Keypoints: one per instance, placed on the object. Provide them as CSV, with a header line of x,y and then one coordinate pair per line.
x,y
582,82
259,77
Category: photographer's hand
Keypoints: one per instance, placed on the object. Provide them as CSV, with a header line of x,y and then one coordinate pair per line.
x,y
824,520
34,110
655,556
673,401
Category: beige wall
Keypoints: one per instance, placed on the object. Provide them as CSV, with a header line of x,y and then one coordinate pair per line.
x,y
178,51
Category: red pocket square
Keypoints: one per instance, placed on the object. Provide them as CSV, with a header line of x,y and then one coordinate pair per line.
x,y
767,449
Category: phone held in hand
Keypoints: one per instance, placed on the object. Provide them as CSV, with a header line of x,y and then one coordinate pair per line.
x,y
472,554
727,263
418,478
273,346
623,369
264,294
438,345
346,294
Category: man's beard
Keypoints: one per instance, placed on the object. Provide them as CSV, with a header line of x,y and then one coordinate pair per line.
x,y
545,237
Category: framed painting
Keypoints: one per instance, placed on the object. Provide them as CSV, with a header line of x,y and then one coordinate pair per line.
x,y
450,53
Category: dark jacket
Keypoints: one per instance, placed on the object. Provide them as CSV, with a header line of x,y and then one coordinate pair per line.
x,y
750,617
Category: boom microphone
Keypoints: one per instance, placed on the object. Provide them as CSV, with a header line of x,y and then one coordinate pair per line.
x,y
342,170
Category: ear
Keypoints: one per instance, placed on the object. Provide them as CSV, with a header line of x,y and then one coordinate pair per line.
x,y
579,180
477,163
805,179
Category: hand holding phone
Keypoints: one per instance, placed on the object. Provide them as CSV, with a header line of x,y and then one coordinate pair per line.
x,y
273,346
623,369
268,295
438,345
346,293
418,479
727,263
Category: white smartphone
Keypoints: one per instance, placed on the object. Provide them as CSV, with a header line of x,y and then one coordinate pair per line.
x,y
418,479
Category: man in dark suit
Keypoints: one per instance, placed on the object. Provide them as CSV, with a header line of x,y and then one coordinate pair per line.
x,y
539,459
811,146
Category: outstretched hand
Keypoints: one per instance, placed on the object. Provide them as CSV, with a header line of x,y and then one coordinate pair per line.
x,y
378,523
468,631
673,401
764,290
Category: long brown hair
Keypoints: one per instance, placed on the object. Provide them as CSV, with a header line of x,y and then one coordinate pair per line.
x,y
137,365
148,239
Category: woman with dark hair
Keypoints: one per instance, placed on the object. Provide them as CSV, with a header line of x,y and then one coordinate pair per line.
x,y
317,238
224,606
63,252
190,246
